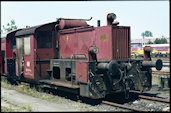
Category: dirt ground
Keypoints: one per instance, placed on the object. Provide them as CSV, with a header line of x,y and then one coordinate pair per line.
x,y
35,104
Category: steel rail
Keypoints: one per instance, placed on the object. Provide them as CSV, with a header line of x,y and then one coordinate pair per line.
x,y
122,106
161,73
166,61
143,96
166,64
154,99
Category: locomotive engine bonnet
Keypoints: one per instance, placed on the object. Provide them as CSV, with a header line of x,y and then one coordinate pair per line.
x,y
69,23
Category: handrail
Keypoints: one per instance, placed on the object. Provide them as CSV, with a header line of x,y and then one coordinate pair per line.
x,y
74,19
74,56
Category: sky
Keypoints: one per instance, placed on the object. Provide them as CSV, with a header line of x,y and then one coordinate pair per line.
x,y
139,15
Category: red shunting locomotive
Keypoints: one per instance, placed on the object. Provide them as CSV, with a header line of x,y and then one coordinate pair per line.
x,y
76,57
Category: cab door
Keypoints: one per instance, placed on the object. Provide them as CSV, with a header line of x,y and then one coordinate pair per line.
x,y
29,57
25,56
19,56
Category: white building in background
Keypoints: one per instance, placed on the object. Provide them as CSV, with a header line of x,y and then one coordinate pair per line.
x,y
141,42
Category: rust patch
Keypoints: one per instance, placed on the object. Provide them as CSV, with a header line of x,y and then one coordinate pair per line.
x,y
66,38
104,37
65,85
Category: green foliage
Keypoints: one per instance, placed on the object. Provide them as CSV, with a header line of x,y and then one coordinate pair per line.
x,y
146,34
7,109
10,26
149,42
29,108
163,41
157,41
160,41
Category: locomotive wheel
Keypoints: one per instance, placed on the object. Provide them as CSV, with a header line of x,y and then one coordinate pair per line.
x,y
98,87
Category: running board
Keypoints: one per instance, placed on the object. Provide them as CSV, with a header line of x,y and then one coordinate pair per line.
x,y
59,83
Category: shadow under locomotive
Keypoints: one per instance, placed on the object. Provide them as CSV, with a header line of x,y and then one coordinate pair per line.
x,y
116,97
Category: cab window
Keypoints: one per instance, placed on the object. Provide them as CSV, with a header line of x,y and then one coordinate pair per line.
x,y
44,39
13,42
27,49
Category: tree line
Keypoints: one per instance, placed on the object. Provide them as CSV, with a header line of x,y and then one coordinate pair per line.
x,y
9,27
161,40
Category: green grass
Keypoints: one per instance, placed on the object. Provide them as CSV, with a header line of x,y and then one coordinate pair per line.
x,y
7,109
29,109
5,84
15,108
25,89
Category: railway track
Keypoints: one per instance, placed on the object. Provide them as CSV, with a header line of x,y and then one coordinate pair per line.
x,y
164,59
166,63
150,98
161,73
122,106
154,99
140,96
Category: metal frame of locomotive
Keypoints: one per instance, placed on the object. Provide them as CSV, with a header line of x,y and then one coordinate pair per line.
x,y
71,55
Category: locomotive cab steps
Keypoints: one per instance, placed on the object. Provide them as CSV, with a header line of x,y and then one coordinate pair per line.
x,y
59,83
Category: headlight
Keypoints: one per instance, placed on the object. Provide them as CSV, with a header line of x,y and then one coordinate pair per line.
x,y
93,49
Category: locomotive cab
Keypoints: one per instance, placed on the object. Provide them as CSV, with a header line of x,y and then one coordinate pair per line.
x,y
34,47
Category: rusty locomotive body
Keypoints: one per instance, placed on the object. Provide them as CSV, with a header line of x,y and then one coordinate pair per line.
x,y
74,56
